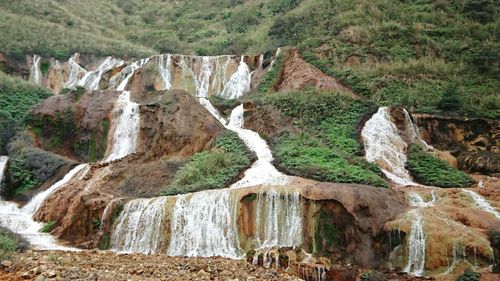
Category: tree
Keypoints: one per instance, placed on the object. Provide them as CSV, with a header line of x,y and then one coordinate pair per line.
x,y
482,11
450,100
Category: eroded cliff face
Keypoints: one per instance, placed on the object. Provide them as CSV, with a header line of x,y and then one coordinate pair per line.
x,y
474,142
173,126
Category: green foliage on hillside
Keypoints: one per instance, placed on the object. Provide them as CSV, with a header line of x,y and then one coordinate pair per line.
x,y
469,276
213,169
429,170
16,98
389,51
324,146
10,242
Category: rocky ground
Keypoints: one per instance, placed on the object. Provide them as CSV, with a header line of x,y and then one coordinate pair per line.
x,y
109,266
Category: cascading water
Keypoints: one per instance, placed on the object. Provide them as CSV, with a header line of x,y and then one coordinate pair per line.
x,y
262,170
239,83
3,166
92,79
278,219
36,202
416,238
482,203
20,220
204,224
140,226
164,67
126,127
416,245
75,72
36,76
385,147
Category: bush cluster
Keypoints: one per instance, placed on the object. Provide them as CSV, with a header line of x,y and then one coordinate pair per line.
x,y
213,169
427,169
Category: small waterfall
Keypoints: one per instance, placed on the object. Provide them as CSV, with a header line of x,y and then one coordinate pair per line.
x,y
75,72
36,202
128,71
278,219
239,83
3,166
262,170
36,75
416,245
203,78
204,224
92,78
278,51
165,67
482,203
21,220
126,127
385,147
417,201
140,226
22,223
219,74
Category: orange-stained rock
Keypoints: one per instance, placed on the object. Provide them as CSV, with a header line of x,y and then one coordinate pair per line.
x,y
297,74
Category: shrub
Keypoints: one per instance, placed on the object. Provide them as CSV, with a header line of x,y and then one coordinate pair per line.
x,y
212,169
482,11
48,227
450,101
469,276
429,170
10,242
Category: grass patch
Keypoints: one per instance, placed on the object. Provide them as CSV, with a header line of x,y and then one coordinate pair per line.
x,y
10,242
17,96
272,75
469,276
429,170
48,227
212,169
324,145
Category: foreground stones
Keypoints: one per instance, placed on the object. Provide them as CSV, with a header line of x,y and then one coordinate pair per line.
x,y
106,265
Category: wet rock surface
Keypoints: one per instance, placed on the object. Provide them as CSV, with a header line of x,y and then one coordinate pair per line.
x,y
104,265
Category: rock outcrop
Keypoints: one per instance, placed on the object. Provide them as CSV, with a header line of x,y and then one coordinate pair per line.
x,y
474,142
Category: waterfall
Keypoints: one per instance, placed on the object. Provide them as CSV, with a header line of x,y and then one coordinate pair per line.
x,y
482,203
126,127
239,83
417,201
36,75
140,226
36,202
416,245
385,147
92,79
165,67
21,220
128,71
204,224
262,170
278,219
75,71
3,166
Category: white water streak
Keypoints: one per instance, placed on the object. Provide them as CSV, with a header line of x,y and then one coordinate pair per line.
x,y
36,75
416,245
482,203
204,224
126,128
140,226
239,83
36,202
75,72
165,71
385,147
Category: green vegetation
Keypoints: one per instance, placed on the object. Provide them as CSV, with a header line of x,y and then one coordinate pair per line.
x,y
271,77
48,227
429,170
324,145
10,242
327,234
16,98
30,166
469,276
213,169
